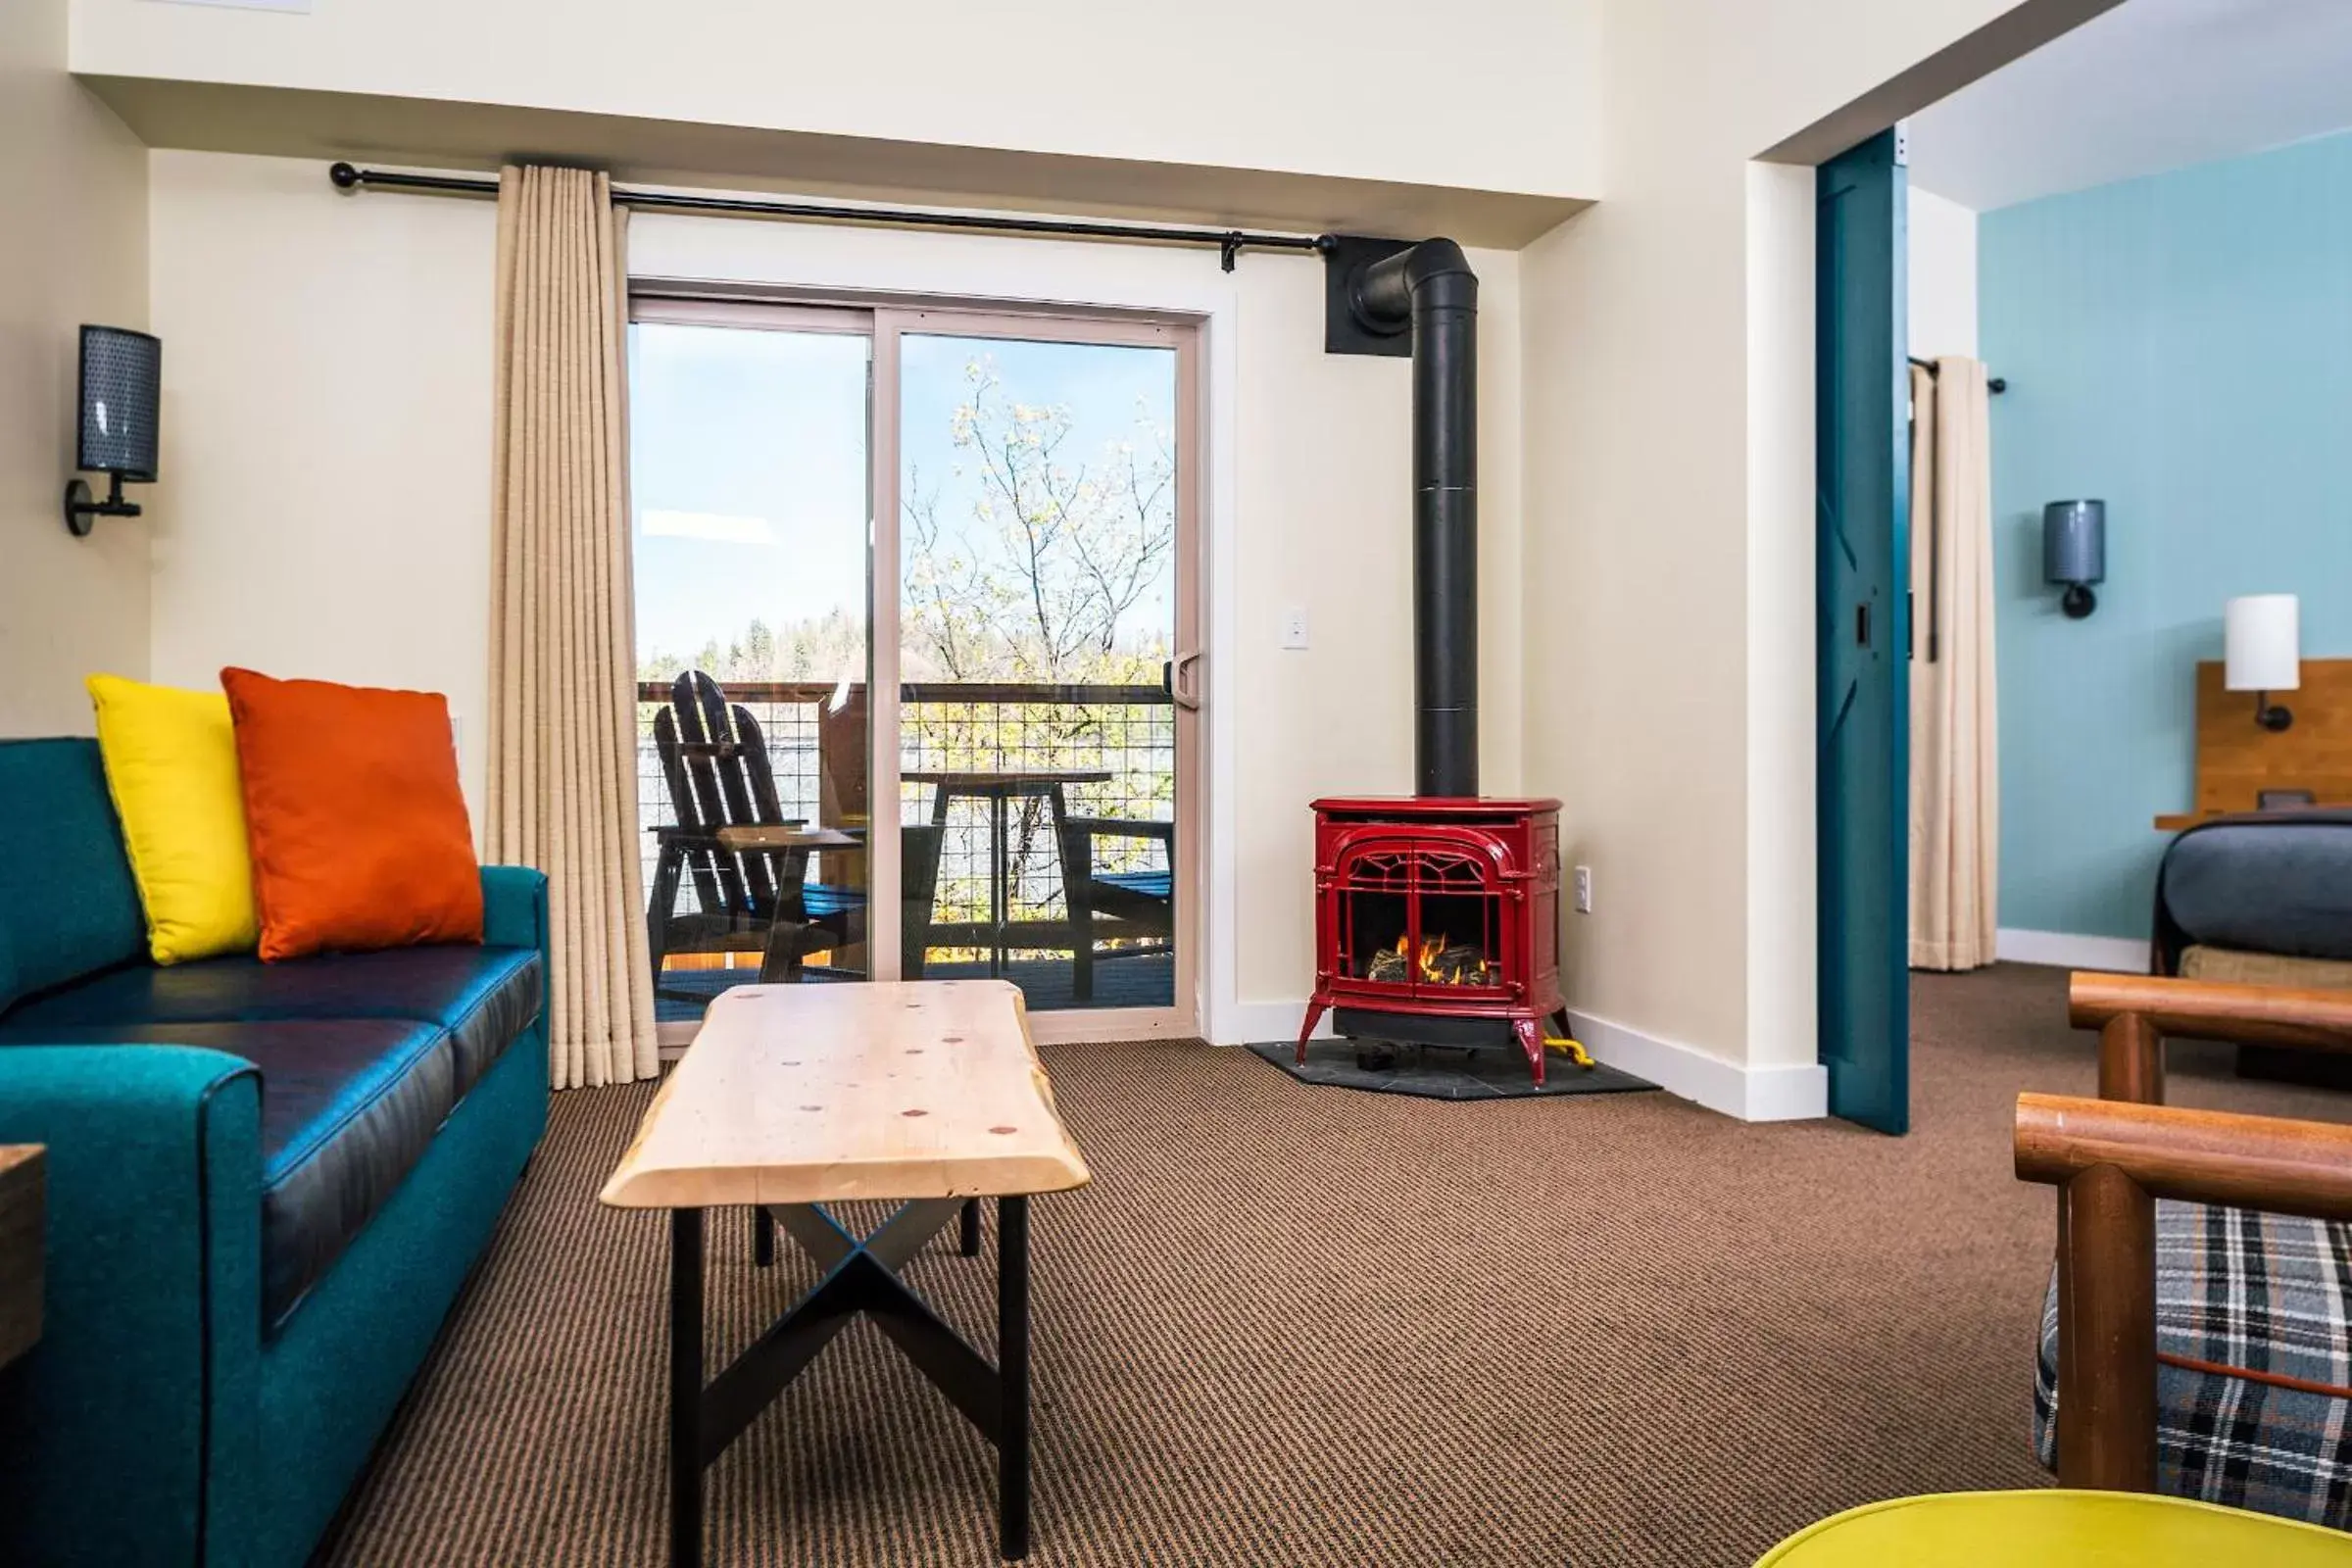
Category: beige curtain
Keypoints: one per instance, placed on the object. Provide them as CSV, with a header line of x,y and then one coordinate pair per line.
x,y
563,663
1956,784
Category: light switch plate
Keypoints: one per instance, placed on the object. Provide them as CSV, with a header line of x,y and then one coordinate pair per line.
x,y
1584,890
1293,626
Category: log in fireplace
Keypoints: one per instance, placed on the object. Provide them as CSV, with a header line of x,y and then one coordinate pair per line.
x,y
1437,915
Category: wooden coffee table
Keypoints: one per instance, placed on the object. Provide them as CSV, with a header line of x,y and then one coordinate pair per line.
x,y
795,1097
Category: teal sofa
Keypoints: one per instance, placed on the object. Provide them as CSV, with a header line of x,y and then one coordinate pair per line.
x,y
267,1185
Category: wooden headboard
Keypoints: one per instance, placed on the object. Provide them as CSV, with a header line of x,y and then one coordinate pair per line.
x,y
2238,759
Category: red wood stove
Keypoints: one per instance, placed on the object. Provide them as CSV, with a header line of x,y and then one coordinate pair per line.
x,y
1438,918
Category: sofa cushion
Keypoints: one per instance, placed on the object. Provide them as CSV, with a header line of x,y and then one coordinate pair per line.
x,y
348,1107
2237,1289
2260,884
172,770
67,904
484,997
358,828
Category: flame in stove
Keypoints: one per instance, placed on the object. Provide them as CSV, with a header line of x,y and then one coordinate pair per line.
x,y
1436,961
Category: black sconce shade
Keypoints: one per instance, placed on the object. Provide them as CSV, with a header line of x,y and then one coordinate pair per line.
x,y
120,384
115,415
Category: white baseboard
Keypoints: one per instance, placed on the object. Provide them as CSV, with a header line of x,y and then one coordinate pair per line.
x,y
2063,950
1794,1093
1751,1094
1244,1023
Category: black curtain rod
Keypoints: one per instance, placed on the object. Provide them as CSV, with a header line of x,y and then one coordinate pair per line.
x,y
1229,242
1992,385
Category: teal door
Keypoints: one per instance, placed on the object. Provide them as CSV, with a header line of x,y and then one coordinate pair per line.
x,y
1862,479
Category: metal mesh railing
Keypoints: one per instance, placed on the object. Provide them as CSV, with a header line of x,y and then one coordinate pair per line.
x,y
1123,737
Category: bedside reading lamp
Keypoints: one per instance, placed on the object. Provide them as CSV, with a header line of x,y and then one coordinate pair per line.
x,y
114,421
2262,640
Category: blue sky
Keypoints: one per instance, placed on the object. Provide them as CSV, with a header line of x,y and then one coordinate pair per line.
x,y
748,460
756,442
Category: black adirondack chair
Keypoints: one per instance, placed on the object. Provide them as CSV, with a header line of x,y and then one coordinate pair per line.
x,y
715,758
1136,909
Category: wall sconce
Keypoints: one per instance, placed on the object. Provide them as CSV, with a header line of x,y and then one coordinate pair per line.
x,y
2074,552
2262,639
116,421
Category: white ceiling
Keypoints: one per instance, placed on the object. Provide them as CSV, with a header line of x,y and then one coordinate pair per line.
x,y
2150,85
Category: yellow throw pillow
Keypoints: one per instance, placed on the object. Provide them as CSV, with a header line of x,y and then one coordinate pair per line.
x,y
171,768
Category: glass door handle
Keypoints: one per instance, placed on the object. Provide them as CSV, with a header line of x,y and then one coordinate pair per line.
x,y
1179,677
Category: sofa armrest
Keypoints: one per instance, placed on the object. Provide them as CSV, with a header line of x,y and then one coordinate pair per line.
x,y
514,907
135,1418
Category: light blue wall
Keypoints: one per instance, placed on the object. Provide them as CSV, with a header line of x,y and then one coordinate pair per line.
x,y
2181,346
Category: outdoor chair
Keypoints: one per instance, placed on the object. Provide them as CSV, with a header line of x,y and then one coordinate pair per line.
x,y
715,758
1136,909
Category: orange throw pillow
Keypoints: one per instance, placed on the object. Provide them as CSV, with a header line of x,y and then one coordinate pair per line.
x,y
359,834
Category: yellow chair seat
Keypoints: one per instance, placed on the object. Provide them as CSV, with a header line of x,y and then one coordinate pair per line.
x,y
2056,1530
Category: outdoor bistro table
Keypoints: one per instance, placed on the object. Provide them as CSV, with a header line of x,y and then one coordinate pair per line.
x,y
795,1097
999,788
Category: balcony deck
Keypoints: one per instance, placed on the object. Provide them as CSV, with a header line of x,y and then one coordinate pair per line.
x,y
817,741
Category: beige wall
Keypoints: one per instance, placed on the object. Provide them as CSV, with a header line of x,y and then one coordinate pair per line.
x,y
327,429
1314,86
1670,511
73,249
329,418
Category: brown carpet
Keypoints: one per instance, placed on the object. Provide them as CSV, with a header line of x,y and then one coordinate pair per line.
x,y
1299,1326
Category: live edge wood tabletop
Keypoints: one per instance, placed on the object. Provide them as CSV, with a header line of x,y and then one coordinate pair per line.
x,y
814,1093
22,1190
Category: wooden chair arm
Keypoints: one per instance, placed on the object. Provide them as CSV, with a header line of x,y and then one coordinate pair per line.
x,y
1120,828
2262,1015
2197,1157
2110,1162
2133,1012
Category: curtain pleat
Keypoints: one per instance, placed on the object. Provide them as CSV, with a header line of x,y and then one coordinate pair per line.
x,y
563,665
1955,782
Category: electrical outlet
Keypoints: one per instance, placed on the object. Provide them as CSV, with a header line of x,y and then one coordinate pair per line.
x,y
1584,890
1293,626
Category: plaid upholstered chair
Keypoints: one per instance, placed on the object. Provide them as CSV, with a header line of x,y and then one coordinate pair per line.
x,y
2195,1339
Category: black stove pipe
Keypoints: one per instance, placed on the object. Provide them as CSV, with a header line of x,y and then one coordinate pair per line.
x,y
1433,286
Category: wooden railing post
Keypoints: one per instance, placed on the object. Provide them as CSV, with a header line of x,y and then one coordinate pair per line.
x,y
2131,1059
2106,1333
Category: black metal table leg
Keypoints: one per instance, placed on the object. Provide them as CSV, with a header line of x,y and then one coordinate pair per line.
x,y
860,1278
1012,1374
764,1238
686,1387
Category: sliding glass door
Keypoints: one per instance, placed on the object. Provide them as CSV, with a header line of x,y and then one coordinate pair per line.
x,y
940,556
1041,498
749,480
